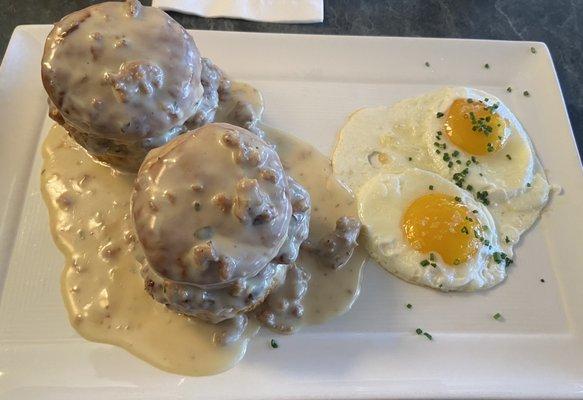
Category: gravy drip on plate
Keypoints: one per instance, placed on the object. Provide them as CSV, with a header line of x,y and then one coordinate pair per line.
x,y
103,291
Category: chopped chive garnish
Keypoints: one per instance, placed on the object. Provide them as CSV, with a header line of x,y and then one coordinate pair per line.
x,y
418,331
465,230
450,164
487,66
439,114
509,89
410,158
528,184
497,316
506,239
542,280
456,261
508,156
430,187
431,256
533,50
455,153
469,188
428,336
458,199
274,344
483,197
409,306
424,263
497,257
526,93
427,63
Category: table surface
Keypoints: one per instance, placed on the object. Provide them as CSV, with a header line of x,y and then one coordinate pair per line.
x,y
558,23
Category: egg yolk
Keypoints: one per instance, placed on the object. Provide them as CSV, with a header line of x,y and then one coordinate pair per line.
x,y
475,127
438,223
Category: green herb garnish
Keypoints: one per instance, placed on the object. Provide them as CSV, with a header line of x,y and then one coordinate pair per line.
x,y
482,196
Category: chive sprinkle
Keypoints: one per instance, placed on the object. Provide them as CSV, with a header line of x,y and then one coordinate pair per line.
x,y
533,50
418,331
508,156
427,63
427,335
482,196
273,344
509,89
506,239
439,114
497,316
528,184
424,263
409,306
410,158
487,66
526,93
430,187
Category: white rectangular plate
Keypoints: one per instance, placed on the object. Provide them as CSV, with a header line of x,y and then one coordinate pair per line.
x,y
310,84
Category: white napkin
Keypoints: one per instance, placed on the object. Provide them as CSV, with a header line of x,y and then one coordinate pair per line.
x,y
297,11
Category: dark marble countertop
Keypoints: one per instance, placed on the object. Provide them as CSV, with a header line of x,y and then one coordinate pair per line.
x,y
558,23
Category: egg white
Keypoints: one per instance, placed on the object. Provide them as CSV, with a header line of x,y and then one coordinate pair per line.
x,y
393,132
383,200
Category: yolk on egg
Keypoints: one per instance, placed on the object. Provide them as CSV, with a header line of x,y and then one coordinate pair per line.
x,y
439,223
475,127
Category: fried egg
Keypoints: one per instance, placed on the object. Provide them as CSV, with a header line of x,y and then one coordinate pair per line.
x,y
428,231
477,142
464,135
